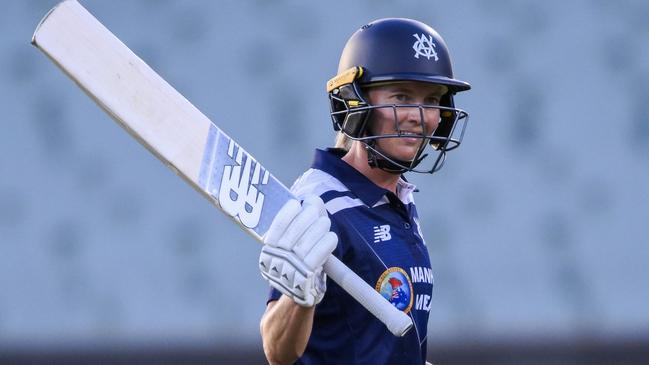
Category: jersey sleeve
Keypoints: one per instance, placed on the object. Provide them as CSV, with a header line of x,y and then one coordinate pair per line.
x,y
273,294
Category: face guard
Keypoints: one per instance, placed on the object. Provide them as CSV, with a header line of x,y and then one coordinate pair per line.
x,y
353,116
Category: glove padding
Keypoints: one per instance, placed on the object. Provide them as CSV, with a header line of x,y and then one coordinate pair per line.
x,y
296,246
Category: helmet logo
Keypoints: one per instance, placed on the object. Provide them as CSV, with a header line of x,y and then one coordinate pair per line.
x,y
424,47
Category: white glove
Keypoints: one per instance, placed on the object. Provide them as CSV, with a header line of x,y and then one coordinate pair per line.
x,y
296,246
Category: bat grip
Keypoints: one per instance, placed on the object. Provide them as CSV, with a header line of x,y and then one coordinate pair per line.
x,y
395,320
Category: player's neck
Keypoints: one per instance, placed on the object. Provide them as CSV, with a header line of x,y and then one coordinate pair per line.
x,y
357,158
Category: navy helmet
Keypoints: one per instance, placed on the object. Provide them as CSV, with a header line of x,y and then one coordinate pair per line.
x,y
393,50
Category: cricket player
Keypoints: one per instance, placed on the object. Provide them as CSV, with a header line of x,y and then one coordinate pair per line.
x,y
392,106
302,234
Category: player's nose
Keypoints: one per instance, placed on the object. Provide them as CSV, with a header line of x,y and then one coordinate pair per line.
x,y
432,119
421,119
412,115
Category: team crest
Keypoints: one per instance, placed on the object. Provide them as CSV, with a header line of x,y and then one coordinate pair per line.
x,y
424,46
395,286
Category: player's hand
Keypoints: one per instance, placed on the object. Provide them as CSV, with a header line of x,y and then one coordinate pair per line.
x,y
296,246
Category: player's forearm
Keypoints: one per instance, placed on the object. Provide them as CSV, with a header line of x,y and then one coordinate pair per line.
x,y
285,330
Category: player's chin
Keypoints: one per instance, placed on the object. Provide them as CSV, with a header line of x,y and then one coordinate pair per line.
x,y
403,149
405,153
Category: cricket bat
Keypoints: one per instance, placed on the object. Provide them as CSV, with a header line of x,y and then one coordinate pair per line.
x,y
182,137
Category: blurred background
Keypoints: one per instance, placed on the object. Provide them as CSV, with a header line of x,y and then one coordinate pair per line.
x,y
538,226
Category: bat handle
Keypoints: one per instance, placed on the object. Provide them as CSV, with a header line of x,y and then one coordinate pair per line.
x,y
395,320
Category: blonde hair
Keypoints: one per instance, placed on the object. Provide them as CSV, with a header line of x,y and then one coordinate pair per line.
x,y
342,141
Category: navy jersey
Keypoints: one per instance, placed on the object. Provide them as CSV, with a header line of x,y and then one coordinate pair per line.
x,y
379,239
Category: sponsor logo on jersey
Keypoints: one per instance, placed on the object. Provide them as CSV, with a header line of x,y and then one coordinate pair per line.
x,y
423,302
395,286
424,46
420,274
382,233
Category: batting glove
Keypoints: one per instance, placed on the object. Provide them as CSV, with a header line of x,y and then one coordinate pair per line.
x,y
296,246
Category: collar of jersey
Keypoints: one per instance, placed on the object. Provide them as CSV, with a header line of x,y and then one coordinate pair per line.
x,y
329,161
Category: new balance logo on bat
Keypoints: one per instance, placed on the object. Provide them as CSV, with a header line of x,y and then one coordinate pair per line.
x,y
382,233
238,196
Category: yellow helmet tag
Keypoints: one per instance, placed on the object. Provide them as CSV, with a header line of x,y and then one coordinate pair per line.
x,y
346,77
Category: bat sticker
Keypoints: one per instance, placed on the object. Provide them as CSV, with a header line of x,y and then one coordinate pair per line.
x,y
239,183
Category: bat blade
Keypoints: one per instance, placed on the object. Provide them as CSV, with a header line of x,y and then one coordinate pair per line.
x,y
182,137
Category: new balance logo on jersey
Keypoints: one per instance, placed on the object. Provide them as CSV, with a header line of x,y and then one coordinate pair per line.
x,y
424,46
382,233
